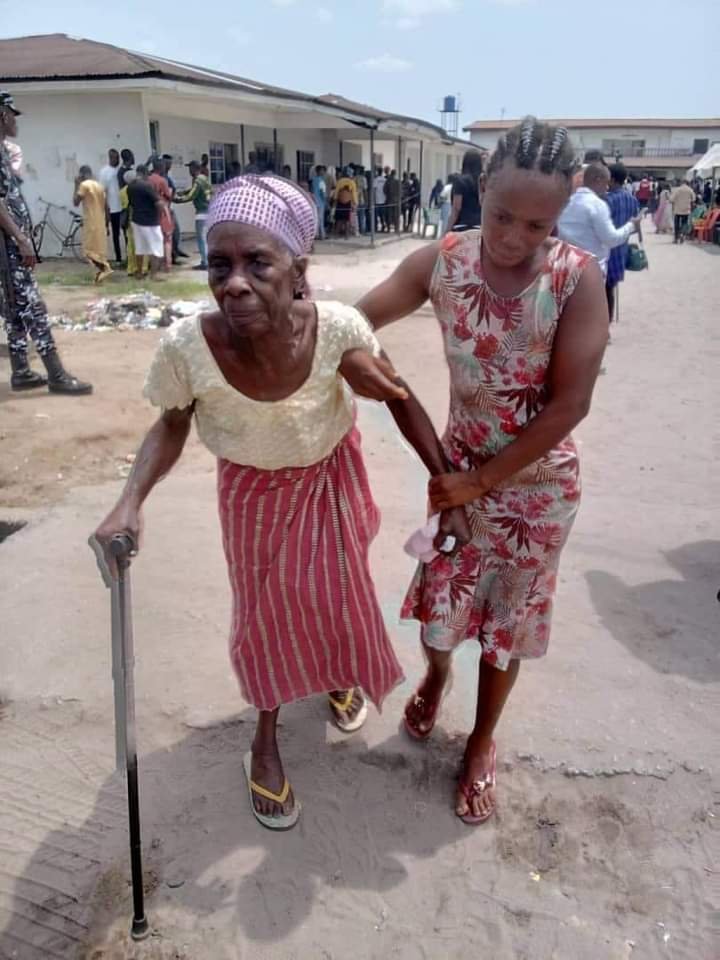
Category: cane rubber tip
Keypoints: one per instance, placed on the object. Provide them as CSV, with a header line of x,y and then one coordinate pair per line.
x,y
140,929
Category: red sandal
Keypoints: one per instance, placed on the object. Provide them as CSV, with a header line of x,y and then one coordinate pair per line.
x,y
418,703
476,789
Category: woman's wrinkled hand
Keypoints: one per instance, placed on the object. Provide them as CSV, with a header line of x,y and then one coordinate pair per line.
x,y
455,489
123,518
371,377
453,523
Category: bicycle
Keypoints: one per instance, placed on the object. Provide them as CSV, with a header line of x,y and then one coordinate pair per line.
x,y
70,240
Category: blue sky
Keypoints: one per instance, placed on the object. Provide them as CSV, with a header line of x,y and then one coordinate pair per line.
x,y
561,58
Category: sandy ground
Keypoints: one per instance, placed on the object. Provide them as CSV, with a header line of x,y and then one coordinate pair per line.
x,y
603,844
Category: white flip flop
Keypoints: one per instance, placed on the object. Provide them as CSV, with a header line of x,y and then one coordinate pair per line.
x,y
349,726
284,821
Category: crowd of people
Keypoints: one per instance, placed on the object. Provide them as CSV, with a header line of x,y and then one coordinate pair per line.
x,y
344,200
677,206
136,203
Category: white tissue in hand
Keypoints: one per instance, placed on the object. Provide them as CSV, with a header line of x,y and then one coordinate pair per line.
x,y
421,543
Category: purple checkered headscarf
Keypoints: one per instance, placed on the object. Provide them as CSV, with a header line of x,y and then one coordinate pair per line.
x,y
269,203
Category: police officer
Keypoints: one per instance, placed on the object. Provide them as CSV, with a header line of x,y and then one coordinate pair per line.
x,y
20,301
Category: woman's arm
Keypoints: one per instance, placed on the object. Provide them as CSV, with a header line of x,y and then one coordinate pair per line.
x,y
403,292
577,353
414,424
157,455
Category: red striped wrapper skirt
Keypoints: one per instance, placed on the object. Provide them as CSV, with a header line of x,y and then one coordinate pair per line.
x,y
305,616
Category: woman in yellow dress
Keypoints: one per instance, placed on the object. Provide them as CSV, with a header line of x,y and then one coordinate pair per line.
x,y
91,195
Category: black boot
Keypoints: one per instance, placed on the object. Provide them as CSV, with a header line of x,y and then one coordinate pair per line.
x,y
23,378
59,380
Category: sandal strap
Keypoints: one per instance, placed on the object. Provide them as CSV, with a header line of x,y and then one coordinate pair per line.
x,y
477,788
268,794
343,705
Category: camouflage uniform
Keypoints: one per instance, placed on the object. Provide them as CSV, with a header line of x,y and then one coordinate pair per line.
x,y
21,305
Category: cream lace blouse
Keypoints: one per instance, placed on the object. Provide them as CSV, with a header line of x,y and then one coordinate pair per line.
x,y
298,431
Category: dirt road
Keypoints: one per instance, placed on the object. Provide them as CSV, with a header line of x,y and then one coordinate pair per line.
x,y
602,849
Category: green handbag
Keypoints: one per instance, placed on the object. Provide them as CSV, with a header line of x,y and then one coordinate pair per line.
x,y
636,258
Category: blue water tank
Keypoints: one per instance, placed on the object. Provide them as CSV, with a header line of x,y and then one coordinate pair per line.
x,y
449,105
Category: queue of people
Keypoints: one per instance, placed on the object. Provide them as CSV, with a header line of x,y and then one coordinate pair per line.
x,y
343,200
674,205
681,206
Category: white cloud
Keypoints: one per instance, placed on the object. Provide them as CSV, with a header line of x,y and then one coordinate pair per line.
x,y
406,23
324,15
239,37
385,63
419,8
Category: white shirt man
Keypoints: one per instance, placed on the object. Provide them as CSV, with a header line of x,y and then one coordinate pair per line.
x,y
108,177
379,187
586,223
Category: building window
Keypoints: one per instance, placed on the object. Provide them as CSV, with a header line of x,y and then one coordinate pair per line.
x,y
305,164
154,136
266,158
701,146
223,157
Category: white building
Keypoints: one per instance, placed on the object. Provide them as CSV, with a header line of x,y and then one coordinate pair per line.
x,y
664,148
79,98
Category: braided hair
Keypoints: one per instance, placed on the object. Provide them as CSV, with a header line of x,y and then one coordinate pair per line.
x,y
533,145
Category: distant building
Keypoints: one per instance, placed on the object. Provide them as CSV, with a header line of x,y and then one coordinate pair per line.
x,y
664,148
80,97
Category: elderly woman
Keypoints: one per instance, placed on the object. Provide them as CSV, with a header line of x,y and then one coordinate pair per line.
x,y
260,376
524,322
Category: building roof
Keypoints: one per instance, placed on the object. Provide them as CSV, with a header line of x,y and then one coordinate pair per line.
x,y
352,106
630,122
58,57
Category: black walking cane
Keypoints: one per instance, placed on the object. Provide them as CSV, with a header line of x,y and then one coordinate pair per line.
x,y
123,548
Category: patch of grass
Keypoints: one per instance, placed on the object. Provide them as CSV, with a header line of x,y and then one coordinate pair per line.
x,y
120,286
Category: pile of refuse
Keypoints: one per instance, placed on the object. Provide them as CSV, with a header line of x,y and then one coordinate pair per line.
x,y
136,311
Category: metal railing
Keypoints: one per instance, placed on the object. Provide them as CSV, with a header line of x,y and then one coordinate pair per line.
x,y
651,152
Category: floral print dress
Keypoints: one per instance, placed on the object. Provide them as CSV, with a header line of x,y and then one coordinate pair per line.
x,y
500,587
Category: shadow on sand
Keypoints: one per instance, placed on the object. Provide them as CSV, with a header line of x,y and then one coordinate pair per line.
x,y
672,625
355,830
